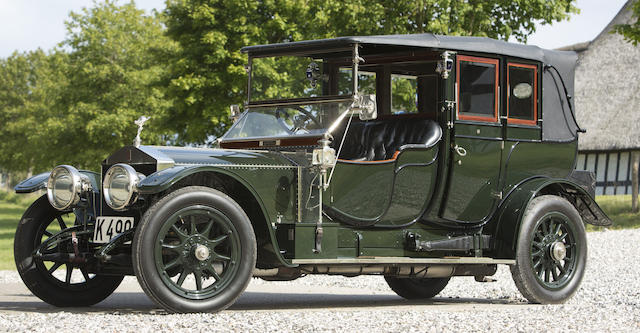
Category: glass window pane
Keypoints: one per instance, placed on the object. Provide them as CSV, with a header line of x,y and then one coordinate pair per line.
x,y
404,96
288,77
521,94
366,82
477,89
286,120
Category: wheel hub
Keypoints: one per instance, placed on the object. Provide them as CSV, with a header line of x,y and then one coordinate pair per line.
x,y
201,252
558,251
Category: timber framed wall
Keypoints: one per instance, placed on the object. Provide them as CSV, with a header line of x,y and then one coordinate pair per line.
x,y
612,169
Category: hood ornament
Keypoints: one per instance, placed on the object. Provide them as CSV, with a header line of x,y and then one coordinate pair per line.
x,y
140,122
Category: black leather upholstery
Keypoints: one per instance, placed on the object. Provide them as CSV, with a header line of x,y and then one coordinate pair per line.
x,y
377,140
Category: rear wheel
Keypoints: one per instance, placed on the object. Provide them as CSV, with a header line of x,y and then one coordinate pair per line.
x,y
417,288
48,277
194,251
551,254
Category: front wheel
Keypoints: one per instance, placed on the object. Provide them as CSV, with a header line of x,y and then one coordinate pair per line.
x,y
551,254
52,277
194,251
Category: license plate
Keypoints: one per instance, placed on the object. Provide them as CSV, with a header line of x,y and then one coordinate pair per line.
x,y
108,227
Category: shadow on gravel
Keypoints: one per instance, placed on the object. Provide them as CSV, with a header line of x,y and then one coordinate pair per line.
x,y
139,303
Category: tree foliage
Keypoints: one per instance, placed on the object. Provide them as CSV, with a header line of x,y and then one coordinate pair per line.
x,y
631,31
76,104
113,76
30,83
208,73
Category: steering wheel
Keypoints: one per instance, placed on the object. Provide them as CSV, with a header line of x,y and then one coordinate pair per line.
x,y
298,123
308,114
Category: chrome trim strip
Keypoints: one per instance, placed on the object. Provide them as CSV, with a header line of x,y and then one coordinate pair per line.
x,y
404,260
347,98
299,194
271,138
246,166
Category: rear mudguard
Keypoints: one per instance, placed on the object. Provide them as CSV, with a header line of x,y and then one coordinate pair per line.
x,y
39,182
164,179
511,211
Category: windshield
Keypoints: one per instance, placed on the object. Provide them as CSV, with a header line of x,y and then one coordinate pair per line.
x,y
294,77
286,120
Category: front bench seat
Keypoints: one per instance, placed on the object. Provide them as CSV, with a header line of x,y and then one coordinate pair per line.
x,y
381,140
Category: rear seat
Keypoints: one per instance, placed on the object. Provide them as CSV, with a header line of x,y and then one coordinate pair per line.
x,y
379,140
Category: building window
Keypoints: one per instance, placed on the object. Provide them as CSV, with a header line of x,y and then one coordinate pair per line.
x,y
477,88
522,95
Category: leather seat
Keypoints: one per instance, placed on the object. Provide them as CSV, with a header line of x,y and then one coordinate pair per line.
x,y
379,140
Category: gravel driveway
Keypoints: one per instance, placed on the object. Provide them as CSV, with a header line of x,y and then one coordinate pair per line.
x,y
607,301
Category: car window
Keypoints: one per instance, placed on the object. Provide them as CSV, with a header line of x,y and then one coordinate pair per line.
x,y
366,82
404,94
522,94
286,120
477,88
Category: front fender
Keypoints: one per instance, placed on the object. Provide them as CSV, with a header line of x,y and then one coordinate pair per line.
x,y
164,179
39,182
512,209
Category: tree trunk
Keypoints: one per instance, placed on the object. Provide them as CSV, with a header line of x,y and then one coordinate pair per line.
x,y
634,181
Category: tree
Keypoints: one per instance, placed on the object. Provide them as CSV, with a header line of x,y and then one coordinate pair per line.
x,y
631,31
208,72
76,105
115,64
30,84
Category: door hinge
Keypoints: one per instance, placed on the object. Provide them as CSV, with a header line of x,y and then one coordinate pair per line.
x,y
451,105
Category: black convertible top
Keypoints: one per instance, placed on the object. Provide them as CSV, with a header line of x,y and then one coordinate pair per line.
x,y
560,126
426,40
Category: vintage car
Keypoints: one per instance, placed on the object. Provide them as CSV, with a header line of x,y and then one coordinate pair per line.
x,y
413,157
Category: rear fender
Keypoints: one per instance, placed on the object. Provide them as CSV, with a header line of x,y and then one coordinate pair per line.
x,y
512,209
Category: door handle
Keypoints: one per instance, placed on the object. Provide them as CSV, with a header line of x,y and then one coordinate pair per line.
x,y
460,150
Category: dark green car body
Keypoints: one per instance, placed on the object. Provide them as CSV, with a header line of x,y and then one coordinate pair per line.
x,y
455,200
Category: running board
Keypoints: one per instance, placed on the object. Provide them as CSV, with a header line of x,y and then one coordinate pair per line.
x,y
404,260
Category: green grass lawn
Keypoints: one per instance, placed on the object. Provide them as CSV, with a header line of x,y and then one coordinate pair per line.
x,y
618,208
12,206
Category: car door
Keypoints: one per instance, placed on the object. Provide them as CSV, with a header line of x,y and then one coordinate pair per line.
x,y
477,141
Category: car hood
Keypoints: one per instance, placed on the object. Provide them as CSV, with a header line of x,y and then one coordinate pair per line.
x,y
165,157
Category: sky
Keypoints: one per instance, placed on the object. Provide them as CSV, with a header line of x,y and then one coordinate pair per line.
x,y
30,24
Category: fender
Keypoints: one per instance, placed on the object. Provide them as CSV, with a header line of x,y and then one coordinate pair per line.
x,y
164,179
511,210
39,182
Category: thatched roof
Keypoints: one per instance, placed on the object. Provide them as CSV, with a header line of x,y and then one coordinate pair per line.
x,y
607,90
578,47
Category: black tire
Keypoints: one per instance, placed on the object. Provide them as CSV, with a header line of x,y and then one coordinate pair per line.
x,y
417,288
230,242
541,275
36,276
